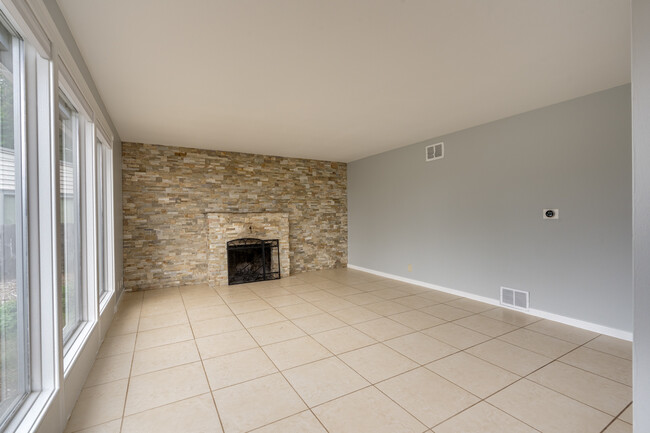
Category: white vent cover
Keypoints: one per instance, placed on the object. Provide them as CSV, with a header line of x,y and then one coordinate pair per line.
x,y
435,151
514,298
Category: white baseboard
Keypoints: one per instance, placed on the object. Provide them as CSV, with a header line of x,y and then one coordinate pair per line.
x,y
605,330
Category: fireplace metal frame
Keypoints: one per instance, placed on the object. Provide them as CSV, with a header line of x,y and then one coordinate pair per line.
x,y
254,275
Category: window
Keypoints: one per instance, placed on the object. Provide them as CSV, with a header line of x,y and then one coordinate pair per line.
x,y
14,368
104,219
69,240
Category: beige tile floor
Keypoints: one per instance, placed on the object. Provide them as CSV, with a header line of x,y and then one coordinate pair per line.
x,y
344,351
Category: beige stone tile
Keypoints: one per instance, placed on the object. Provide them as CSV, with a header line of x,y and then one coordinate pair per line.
x,y
378,362
446,312
366,411
238,367
456,335
387,308
256,403
165,386
162,336
122,326
416,319
471,305
275,332
317,295
162,321
196,414
327,284
363,298
509,316
483,418
547,410
109,427
260,318
292,353
301,288
420,347
485,325
109,369
324,380
627,414
223,344
416,301
297,311
602,364
611,345
318,323
619,427
383,329
161,357
596,391
165,306
98,405
283,301
333,304
203,301
117,345
389,293
512,358
344,291
343,339
249,306
562,331
207,313
219,325
439,296
355,315
538,343
239,295
304,422
427,396
473,374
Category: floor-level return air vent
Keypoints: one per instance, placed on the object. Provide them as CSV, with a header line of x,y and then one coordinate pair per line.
x,y
514,298
435,151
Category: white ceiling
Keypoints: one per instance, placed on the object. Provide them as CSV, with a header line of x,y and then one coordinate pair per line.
x,y
340,79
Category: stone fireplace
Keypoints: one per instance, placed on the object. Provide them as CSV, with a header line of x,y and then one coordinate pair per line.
x,y
224,227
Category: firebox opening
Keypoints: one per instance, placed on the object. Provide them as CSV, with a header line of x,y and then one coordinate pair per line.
x,y
251,260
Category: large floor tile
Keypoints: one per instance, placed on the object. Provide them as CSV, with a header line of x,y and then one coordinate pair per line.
x,y
304,422
539,343
324,380
196,414
165,386
343,339
110,369
275,332
420,347
600,363
563,332
387,308
208,312
485,325
383,329
249,306
509,316
596,391
363,299
473,374
98,404
483,418
223,344
292,353
109,427
297,311
162,321
512,358
161,357
427,396
547,410
611,345
117,345
378,362
318,323
619,427
259,318
162,336
416,319
284,300
627,415
456,335
471,305
219,325
238,367
256,403
355,315
366,411
446,312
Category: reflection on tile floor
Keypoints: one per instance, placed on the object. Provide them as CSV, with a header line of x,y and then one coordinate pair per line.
x,y
344,351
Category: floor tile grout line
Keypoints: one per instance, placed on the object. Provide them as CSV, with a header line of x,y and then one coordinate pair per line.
x,y
128,383
615,418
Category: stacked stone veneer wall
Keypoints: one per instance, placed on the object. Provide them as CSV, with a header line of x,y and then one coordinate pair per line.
x,y
168,193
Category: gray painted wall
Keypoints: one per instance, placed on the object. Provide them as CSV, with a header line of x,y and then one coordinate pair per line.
x,y
64,30
641,157
473,220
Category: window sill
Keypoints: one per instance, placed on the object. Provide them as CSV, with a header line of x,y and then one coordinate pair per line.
x,y
76,344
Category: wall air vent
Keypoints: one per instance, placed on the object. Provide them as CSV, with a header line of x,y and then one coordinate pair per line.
x,y
514,298
435,151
